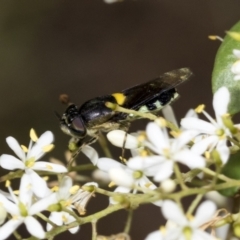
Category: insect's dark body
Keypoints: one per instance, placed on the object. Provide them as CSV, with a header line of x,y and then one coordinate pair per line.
x,y
94,116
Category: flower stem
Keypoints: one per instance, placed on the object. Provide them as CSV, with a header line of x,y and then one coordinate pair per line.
x,y
94,230
179,176
129,221
103,143
194,204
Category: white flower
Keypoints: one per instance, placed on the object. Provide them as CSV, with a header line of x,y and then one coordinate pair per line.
x,y
168,151
121,139
184,226
128,176
181,227
28,160
91,153
62,197
215,130
69,197
3,214
22,210
236,65
156,235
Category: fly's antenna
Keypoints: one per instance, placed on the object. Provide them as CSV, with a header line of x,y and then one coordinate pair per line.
x,y
65,99
58,116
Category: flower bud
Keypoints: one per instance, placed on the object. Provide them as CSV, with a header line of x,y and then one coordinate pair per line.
x,y
168,185
117,138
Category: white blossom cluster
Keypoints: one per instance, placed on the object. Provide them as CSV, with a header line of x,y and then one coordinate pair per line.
x,y
34,195
156,154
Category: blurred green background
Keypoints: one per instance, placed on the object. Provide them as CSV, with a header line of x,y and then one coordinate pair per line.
x,y
88,48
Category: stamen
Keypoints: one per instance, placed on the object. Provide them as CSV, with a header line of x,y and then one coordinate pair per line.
x,y
137,174
111,184
163,230
64,219
49,167
161,122
24,148
55,189
48,148
207,155
33,135
175,134
16,192
45,178
144,153
141,137
7,184
200,108
147,185
30,162
215,37
74,189
124,160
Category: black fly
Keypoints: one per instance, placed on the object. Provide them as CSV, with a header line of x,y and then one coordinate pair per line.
x,y
85,123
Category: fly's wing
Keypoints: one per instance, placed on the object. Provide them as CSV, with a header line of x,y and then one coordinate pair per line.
x,y
142,94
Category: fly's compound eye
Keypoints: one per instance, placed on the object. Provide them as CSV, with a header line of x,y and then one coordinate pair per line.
x,y
77,127
72,123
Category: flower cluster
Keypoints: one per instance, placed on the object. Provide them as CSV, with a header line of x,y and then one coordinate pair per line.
x,y
153,171
34,195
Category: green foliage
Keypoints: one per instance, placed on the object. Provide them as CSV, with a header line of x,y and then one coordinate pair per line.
x,y
232,170
222,75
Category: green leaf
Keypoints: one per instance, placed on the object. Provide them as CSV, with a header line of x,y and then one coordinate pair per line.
x,y
222,75
232,170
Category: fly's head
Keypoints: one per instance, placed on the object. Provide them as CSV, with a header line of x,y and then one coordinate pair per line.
x,y
72,123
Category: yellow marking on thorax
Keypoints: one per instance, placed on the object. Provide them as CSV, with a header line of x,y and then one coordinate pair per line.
x,y
120,98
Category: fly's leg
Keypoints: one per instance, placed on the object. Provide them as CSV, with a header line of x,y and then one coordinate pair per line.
x,y
78,145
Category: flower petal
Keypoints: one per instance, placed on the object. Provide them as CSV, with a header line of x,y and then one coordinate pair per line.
x,y
199,234
55,217
25,190
119,189
156,235
164,171
74,229
221,100
204,213
106,164
121,177
202,145
49,167
37,150
9,227
172,212
10,162
43,204
200,125
169,115
15,146
34,227
91,153
39,186
223,150
191,159
45,139
236,52
119,138
157,136
64,188
148,165
184,138
9,206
